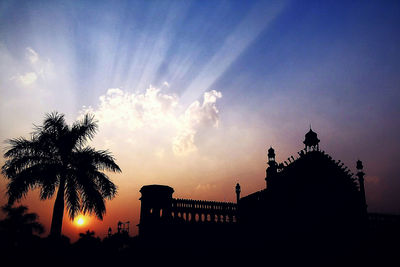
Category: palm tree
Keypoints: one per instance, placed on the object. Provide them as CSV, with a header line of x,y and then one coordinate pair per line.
x,y
56,158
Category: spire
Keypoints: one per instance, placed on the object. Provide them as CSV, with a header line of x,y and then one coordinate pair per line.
x,y
360,175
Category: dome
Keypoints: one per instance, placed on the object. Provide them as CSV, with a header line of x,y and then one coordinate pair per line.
x,y
311,134
311,138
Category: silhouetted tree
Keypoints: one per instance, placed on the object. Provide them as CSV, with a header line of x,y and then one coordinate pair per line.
x,y
19,226
87,235
88,239
56,157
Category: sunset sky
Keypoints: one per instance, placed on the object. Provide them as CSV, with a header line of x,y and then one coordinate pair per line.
x,y
191,94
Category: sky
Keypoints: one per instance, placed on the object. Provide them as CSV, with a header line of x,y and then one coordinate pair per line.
x,y
191,94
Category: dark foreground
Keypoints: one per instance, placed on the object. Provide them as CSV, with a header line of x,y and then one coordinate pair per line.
x,y
378,249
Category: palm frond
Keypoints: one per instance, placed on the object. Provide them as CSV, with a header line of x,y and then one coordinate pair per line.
x,y
106,187
54,122
93,203
49,182
94,186
92,199
18,146
29,178
15,165
72,198
101,159
18,188
83,130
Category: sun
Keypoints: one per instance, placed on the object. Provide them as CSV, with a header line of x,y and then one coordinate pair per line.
x,y
80,220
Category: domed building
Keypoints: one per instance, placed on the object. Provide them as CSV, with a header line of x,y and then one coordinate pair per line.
x,y
309,198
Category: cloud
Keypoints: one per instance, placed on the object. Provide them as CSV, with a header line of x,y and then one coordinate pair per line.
x,y
132,111
205,187
195,117
154,116
32,55
38,68
166,84
27,78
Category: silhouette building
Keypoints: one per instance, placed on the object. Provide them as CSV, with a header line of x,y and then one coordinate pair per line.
x,y
307,199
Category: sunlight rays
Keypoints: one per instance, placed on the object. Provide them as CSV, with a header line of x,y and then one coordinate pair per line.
x,y
152,51
162,44
256,21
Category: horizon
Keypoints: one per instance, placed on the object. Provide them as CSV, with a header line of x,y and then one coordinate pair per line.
x,y
192,94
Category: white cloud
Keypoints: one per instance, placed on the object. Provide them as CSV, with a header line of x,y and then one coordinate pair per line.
x,y
38,68
134,111
32,55
27,78
140,116
196,116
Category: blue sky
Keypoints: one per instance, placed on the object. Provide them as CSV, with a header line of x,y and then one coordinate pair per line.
x,y
205,87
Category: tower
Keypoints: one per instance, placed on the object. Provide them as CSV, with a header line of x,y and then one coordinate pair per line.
x,y
360,175
272,167
311,141
271,155
155,211
237,193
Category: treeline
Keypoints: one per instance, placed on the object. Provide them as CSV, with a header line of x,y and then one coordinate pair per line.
x,y
21,244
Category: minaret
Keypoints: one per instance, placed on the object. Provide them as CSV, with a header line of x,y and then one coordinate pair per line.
x,y
237,193
360,175
272,169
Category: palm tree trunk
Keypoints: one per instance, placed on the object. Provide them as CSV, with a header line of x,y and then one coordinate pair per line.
x,y
58,211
